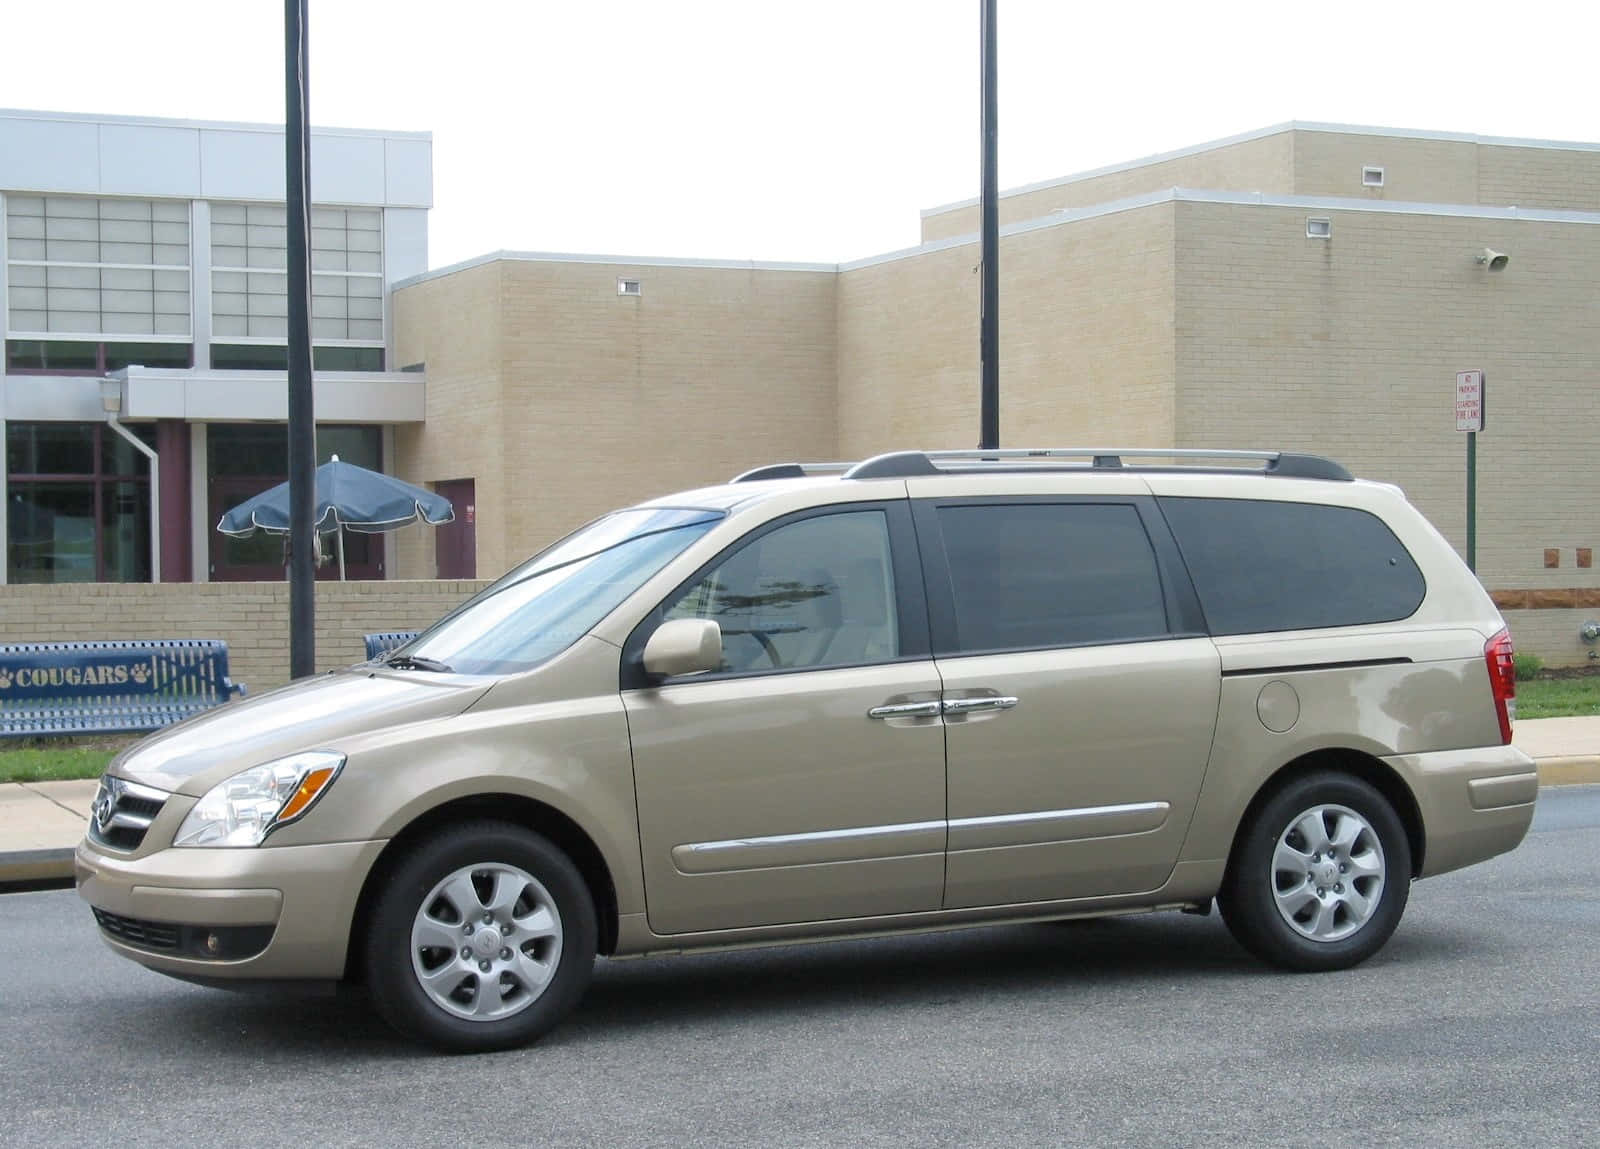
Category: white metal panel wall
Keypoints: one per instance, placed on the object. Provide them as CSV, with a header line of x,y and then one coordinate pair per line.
x,y
144,160
405,243
344,169
49,155
44,152
408,172
241,165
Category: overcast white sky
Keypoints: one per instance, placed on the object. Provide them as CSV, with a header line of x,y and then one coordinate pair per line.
x,y
795,130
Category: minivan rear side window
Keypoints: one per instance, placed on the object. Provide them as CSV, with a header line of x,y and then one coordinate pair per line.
x,y
1036,575
1263,565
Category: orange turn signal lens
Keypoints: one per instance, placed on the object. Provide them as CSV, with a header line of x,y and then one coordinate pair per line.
x,y
306,793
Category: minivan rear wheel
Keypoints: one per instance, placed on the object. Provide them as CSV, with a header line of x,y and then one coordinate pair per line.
x,y
1320,875
483,939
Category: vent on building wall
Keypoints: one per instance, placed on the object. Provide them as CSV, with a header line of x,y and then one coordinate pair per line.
x,y
1318,228
1372,177
628,287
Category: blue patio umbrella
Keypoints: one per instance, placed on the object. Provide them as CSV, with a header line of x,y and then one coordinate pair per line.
x,y
348,498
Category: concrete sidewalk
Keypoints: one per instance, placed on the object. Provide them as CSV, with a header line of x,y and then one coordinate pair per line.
x,y
41,822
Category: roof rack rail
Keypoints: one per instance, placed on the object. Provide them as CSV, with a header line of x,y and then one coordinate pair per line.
x,y
908,464
789,471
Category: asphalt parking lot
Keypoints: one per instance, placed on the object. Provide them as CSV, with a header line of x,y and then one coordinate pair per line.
x,y
1478,1025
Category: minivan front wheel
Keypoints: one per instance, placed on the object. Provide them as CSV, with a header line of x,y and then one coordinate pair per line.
x,y
1320,876
483,939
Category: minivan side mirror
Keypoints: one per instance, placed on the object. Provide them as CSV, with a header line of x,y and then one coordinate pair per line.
x,y
684,646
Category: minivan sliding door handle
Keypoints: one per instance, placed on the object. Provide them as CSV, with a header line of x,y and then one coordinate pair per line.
x,y
978,705
928,709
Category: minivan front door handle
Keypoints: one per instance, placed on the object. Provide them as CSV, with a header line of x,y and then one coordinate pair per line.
x,y
928,709
978,705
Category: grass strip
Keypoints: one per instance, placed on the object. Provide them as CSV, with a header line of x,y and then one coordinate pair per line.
x,y
54,763
1558,697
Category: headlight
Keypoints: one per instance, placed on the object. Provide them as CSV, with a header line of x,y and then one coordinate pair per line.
x,y
254,802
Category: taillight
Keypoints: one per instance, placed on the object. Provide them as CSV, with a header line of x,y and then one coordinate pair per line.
x,y
1502,681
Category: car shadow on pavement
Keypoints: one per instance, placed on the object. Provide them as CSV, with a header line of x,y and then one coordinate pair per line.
x,y
913,971
1054,962
244,1025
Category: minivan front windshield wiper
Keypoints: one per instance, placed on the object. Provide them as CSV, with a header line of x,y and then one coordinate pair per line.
x,y
417,662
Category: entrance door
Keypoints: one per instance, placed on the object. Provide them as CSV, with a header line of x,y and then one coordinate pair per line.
x,y
456,543
804,780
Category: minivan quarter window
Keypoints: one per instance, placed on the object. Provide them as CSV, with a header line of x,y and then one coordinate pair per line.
x,y
1261,565
1041,574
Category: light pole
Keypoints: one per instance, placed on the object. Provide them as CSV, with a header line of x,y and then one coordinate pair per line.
x,y
989,322
302,418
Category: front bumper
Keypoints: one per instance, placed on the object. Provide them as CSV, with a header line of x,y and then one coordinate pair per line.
x,y
161,908
1474,803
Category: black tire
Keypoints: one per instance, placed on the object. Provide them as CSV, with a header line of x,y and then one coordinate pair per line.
x,y
1260,895
483,849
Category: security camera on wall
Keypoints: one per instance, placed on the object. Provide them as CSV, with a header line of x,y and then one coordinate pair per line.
x,y
1496,260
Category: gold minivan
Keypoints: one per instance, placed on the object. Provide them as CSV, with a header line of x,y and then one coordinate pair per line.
x,y
924,691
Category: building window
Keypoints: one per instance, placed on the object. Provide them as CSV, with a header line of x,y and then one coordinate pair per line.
x,y
275,357
249,278
347,358
52,355
77,504
249,357
63,357
76,265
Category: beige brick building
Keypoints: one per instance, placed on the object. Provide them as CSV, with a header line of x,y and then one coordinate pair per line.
x,y
1306,287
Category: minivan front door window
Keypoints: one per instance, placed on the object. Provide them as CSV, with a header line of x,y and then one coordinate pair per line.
x,y
819,592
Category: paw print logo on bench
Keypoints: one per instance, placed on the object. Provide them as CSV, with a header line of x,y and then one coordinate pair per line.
x,y
140,672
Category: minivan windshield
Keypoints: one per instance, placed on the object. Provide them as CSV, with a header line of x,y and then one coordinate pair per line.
x,y
540,608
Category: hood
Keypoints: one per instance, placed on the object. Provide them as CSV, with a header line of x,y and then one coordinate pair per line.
x,y
312,714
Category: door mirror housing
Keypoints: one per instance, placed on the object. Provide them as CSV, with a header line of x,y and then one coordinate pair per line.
x,y
684,646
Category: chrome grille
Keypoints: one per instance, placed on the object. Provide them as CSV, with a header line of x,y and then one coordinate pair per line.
x,y
122,813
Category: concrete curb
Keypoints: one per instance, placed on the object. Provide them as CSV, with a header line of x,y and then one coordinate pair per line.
x,y
1577,770
18,866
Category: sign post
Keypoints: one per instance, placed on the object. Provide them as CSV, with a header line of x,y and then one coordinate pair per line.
x,y
1471,389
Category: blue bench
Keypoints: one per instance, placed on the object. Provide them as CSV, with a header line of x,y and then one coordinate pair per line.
x,y
121,687
385,641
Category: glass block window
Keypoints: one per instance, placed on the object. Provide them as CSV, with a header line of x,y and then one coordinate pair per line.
x,y
249,284
82,266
